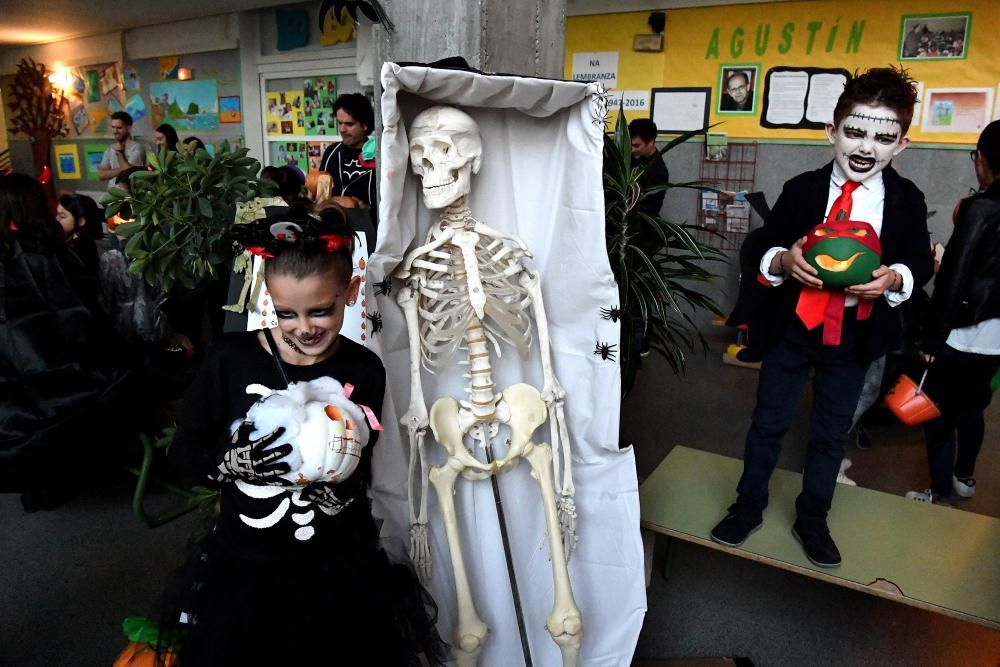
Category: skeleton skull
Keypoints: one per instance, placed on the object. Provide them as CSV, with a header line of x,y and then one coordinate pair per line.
x,y
445,150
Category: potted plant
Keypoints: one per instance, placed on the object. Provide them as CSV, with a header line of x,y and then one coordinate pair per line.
x,y
179,211
658,290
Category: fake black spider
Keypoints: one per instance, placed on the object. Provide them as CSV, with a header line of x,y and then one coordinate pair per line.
x,y
613,313
376,320
606,351
383,287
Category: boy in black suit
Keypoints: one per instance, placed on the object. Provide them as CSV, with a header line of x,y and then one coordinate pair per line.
x,y
869,128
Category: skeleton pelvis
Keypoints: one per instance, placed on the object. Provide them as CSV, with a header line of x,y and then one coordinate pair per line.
x,y
522,410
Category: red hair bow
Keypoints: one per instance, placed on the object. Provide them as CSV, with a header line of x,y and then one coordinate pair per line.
x,y
260,251
336,241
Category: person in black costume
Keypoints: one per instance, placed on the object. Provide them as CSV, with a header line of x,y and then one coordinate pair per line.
x,y
260,590
962,332
352,181
61,377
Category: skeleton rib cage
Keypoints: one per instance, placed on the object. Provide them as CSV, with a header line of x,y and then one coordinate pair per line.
x,y
446,311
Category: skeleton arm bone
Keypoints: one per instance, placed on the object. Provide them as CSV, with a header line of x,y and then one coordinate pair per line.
x,y
485,230
554,396
415,421
403,272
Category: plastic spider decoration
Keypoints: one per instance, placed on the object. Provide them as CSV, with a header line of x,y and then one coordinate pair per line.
x,y
376,320
383,287
606,351
613,313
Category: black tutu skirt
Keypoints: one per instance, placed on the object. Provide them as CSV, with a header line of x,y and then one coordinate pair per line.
x,y
342,604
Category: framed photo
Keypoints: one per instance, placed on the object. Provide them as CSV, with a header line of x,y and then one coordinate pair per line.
x,y
680,110
737,89
229,109
935,36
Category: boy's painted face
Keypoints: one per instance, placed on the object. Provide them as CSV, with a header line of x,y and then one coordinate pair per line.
x,y
310,310
866,140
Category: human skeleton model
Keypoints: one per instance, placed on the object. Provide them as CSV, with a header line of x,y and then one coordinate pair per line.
x,y
465,287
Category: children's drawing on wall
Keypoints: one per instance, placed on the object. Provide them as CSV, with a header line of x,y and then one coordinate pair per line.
x,y
187,105
934,37
229,109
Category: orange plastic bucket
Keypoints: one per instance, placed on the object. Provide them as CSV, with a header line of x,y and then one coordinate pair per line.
x,y
910,403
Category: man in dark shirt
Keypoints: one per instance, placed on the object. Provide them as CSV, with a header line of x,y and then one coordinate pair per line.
x,y
644,152
353,183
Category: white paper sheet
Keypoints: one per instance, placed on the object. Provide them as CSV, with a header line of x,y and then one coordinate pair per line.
x,y
786,98
824,91
679,111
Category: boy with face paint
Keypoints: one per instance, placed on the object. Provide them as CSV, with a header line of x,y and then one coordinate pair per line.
x,y
869,128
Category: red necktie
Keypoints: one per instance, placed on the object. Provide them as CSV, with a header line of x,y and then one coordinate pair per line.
x,y
819,306
843,203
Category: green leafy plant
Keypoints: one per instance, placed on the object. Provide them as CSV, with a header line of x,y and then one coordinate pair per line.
x,y
658,283
180,212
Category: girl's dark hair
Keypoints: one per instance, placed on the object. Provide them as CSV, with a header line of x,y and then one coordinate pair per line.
x,y
83,207
288,180
297,244
198,143
989,145
170,133
25,213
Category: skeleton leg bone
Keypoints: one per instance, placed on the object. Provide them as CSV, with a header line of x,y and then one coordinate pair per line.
x,y
470,635
564,623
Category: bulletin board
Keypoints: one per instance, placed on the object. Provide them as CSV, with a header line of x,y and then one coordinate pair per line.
x,y
947,47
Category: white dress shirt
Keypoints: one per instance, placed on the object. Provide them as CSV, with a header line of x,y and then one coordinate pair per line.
x,y
867,203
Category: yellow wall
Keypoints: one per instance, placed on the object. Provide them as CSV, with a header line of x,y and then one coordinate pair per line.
x,y
849,34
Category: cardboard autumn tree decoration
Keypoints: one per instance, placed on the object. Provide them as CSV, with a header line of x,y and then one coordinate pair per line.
x,y
844,253
36,109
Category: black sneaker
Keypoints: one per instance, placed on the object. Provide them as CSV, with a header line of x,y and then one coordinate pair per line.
x,y
742,520
819,546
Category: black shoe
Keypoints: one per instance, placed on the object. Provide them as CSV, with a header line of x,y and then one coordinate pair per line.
x,y
742,520
864,440
819,546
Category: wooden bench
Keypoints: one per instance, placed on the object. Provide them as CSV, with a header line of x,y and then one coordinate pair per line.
x,y
937,558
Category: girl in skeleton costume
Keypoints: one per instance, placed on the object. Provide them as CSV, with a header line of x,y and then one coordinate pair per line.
x,y
292,572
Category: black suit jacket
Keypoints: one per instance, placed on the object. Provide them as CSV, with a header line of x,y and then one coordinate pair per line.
x,y
904,237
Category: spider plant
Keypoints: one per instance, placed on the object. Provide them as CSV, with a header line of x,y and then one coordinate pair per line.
x,y
658,286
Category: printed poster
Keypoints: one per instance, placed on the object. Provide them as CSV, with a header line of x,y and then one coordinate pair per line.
x,y
316,150
961,110
320,96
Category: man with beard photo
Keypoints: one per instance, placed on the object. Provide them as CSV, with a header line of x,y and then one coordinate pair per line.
x,y
857,199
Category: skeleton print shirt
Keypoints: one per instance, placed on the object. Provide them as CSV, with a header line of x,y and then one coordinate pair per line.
x,y
263,520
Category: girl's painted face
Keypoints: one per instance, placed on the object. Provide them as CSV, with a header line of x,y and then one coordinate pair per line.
x,y
310,310
866,140
66,221
161,140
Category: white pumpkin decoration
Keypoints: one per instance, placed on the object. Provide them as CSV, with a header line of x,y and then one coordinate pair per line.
x,y
326,429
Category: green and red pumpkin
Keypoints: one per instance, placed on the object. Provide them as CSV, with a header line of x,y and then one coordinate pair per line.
x,y
843,252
